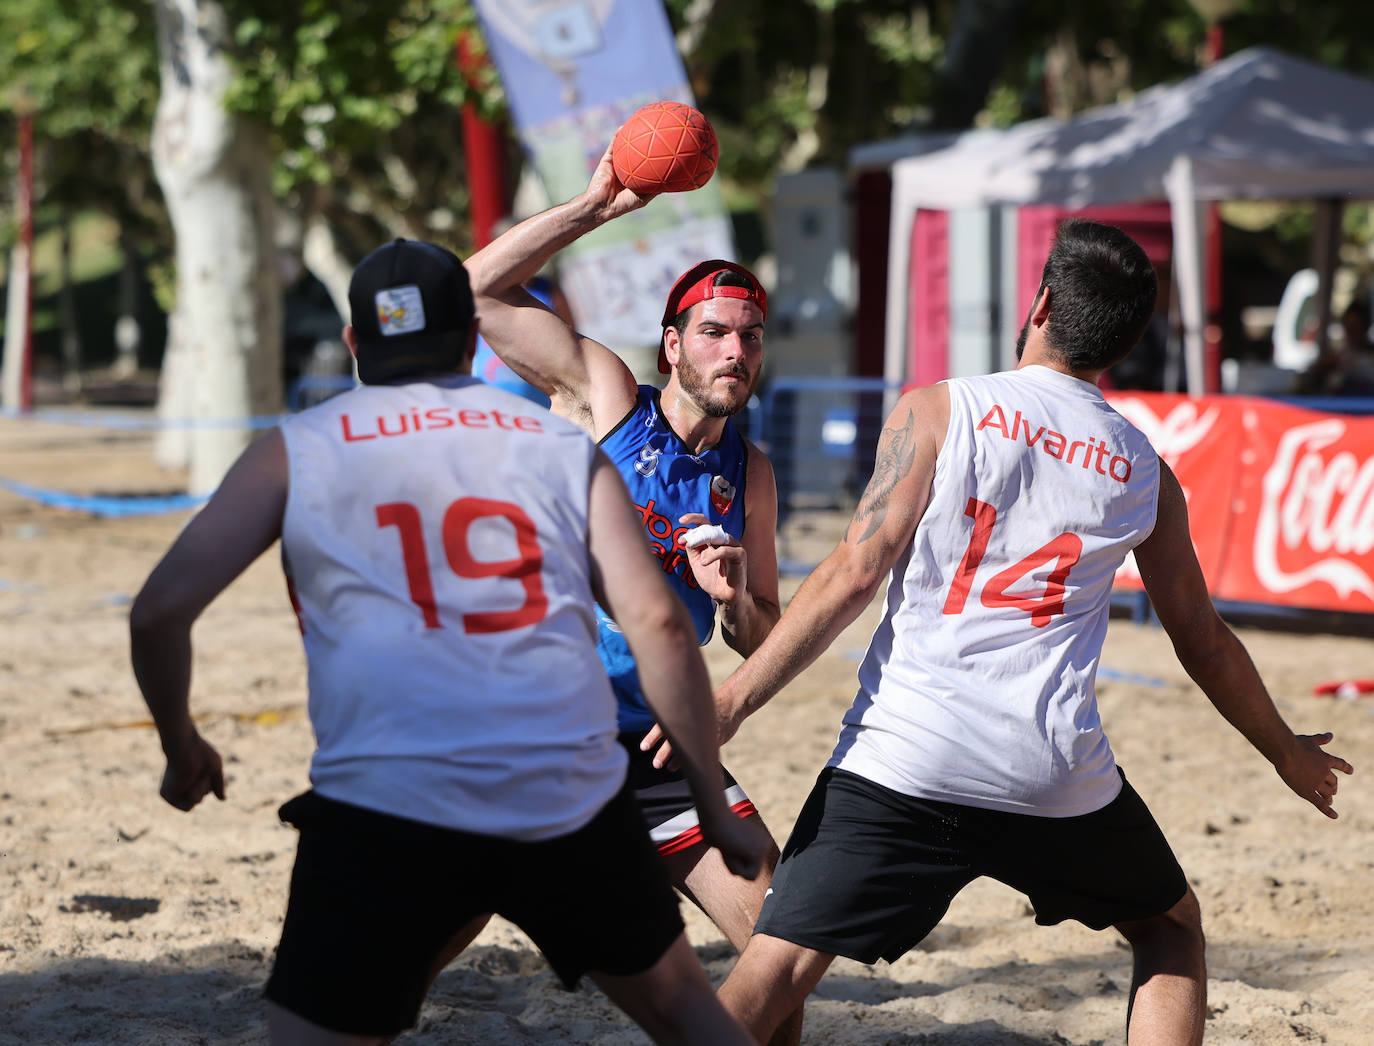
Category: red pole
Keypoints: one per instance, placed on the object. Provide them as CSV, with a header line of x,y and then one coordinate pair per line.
x,y
24,206
483,152
1211,328
486,188
1216,39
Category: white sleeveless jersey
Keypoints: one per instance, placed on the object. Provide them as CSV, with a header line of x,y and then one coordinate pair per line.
x,y
978,684
435,538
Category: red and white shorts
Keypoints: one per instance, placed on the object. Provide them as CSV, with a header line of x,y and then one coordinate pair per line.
x,y
667,802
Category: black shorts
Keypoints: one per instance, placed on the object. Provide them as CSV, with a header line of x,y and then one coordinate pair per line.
x,y
375,898
667,801
868,872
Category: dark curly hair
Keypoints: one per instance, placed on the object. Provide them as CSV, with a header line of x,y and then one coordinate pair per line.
x,y
1102,294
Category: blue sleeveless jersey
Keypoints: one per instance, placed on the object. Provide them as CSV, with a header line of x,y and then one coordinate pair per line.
x,y
666,481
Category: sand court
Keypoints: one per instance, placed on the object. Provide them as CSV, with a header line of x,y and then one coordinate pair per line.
x,y
123,921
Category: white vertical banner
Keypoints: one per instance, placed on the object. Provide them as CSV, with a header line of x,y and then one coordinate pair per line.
x,y
1189,272
15,367
573,71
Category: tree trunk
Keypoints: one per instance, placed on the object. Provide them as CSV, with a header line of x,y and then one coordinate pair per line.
x,y
175,391
18,318
324,257
214,171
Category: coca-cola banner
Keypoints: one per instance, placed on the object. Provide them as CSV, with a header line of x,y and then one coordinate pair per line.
x,y
1280,499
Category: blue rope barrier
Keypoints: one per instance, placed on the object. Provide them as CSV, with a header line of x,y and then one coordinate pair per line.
x,y
107,505
1103,672
124,421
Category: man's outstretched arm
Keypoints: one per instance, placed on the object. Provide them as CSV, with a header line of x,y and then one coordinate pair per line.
x,y
584,380
1217,660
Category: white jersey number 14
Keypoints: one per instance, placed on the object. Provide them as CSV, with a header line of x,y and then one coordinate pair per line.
x,y
1063,550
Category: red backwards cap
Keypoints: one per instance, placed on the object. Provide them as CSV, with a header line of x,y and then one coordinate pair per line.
x,y
697,284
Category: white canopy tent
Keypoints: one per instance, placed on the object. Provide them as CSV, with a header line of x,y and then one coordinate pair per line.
x,y
1260,124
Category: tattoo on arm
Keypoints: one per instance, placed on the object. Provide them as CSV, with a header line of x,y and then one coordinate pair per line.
x,y
896,451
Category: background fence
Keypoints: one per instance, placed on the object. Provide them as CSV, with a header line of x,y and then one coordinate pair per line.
x,y
821,435
1280,491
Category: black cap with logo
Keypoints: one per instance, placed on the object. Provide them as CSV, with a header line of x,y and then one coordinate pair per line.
x,y
412,311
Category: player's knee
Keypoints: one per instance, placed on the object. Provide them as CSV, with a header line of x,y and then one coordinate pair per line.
x,y
1178,929
1187,917
784,972
678,983
684,1009
686,997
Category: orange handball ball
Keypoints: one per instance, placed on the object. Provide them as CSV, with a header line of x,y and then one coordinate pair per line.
x,y
664,147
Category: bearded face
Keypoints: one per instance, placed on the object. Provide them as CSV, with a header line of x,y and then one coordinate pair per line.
x,y
720,393
720,357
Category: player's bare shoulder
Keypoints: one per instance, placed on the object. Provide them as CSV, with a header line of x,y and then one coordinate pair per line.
x,y
761,485
910,442
915,429
929,407
606,394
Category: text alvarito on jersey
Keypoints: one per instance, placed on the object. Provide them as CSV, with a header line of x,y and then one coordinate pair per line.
x,y
1057,445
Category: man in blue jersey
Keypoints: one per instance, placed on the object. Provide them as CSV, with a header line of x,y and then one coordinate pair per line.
x,y
706,496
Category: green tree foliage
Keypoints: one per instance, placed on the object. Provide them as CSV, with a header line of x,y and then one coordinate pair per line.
x,y
840,72
88,74
363,97
364,101
846,72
